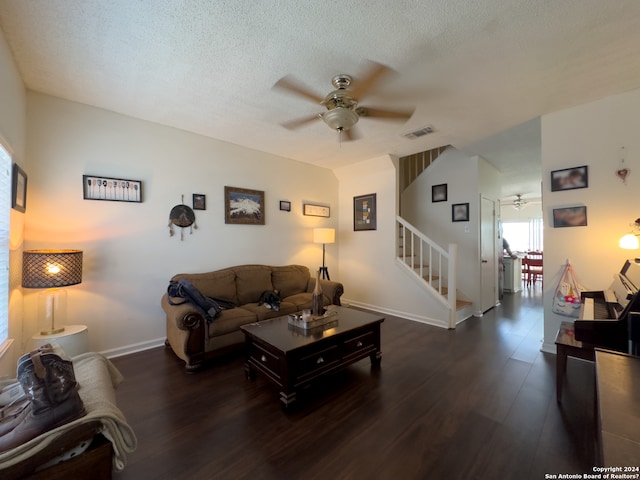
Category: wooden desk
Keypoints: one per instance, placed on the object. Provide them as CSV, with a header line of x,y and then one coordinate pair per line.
x,y
568,346
617,399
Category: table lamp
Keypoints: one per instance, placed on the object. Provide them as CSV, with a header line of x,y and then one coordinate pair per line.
x,y
51,269
324,236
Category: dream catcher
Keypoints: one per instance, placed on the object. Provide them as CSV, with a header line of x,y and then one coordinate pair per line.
x,y
623,171
182,216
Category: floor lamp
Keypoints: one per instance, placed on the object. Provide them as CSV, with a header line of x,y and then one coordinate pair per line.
x,y
51,269
324,236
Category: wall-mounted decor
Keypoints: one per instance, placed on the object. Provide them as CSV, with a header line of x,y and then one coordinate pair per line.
x,y
315,210
439,193
460,212
114,189
19,189
570,178
285,206
364,212
199,201
182,216
243,206
570,217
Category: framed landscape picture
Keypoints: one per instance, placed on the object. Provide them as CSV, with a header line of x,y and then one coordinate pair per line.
x,y
439,193
570,178
460,212
364,212
243,206
570,217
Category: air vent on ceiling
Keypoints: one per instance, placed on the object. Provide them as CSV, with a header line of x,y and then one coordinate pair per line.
x,y
419,133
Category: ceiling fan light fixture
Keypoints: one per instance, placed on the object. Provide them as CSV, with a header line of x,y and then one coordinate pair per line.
x,y
340,118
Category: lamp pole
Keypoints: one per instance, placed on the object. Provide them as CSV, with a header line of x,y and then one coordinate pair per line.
x,y
323,268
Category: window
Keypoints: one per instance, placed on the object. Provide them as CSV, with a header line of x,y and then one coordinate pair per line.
x,y
523,236
5,217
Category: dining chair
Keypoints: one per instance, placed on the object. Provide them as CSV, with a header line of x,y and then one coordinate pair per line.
x,y
534,268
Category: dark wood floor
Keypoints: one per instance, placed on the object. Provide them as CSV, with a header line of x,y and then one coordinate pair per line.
x,y
477,402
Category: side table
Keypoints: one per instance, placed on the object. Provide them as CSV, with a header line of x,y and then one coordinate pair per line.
x,y
74,340
568,346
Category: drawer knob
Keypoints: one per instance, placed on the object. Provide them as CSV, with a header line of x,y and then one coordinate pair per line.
x,y
320,360
263,358
359,344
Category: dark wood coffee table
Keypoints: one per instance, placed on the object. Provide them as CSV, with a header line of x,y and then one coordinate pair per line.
x,y
291,357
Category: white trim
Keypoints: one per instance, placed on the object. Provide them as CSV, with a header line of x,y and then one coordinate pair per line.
x,y
136,347
409,316
6,345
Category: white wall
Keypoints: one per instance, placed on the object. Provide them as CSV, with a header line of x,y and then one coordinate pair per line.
x,y
13,138
367,261
128,253
592,135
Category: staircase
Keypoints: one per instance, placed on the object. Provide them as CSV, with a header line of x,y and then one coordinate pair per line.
x,y
433,266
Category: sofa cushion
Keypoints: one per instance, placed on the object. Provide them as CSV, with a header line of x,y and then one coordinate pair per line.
x,y
263,313
304,300
251,281
290,279
230,320
219,284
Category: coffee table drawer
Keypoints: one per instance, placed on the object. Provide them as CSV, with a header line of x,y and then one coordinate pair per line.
x,y
265,359
361,344
313,362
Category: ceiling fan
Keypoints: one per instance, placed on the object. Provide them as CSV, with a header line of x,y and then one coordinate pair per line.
x,y
519,203
342,110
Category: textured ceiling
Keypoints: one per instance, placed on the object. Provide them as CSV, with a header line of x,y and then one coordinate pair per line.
x,y
480,72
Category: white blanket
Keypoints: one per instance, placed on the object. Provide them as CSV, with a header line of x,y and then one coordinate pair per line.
x,y
97,379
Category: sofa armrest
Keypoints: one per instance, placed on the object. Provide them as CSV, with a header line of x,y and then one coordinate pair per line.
x,y
332,290
186,331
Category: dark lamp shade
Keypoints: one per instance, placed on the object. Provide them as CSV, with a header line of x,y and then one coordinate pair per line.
x,y
51,268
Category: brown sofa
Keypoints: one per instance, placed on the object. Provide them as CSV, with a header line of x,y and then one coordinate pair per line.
x,y
195,341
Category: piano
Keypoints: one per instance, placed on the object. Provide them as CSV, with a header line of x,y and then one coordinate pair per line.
x,y
610,319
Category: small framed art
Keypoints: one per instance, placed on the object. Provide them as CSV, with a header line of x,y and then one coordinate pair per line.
x,y
243,206
285,205
364,212
113,189
18,189
570,178
570,217
460,212
199,201
316,210
439,193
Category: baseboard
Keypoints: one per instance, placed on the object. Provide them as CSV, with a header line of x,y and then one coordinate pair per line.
x,y
396,313
136,347
548,348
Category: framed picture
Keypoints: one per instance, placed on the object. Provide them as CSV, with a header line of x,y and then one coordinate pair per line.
x,y
315,210
460,212
18,189
199,201
113,189
570,178
285,206
243,206
570,217
364,212
439,193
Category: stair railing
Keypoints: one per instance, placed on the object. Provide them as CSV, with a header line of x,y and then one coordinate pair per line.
x,y
428,261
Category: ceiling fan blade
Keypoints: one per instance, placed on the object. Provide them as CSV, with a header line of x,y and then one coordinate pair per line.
x,y
299,122
374,73
384,113
287,83
351,134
